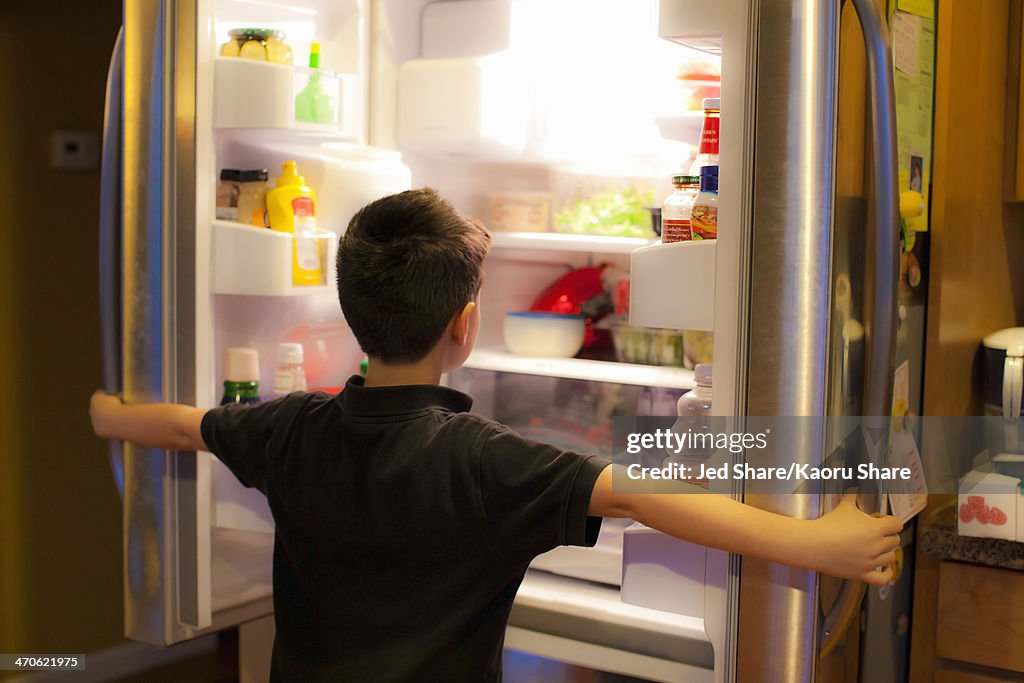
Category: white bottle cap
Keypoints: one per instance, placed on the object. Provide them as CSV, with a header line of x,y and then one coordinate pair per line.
x,y
289,353
702,374
712,103
243,365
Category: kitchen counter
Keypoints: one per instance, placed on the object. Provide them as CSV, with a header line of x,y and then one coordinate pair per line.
x,y
938,538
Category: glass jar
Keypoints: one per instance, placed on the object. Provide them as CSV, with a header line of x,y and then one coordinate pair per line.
x,y
675,212
704,214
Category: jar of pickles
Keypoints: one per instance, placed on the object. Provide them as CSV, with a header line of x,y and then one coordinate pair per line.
x,y
261,44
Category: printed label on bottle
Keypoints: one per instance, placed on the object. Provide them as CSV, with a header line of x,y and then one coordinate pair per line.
x,y
303,206
709,136
283,382
675,230
704,222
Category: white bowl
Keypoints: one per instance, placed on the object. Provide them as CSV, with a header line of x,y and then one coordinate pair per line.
x,y
551,335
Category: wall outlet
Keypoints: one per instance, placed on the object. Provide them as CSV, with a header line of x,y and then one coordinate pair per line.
x,y
75,150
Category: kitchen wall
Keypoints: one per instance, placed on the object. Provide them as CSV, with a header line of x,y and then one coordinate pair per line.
x,y
60,517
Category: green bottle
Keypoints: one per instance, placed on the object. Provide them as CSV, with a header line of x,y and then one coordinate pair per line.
x,y
314,104
241,376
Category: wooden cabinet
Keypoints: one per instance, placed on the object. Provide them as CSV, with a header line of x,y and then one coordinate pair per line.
x,y
981,616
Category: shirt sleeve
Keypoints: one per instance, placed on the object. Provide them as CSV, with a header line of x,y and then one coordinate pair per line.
x,y
245,437
535,495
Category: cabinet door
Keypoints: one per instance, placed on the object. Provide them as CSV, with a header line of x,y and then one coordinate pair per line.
x,y
981,616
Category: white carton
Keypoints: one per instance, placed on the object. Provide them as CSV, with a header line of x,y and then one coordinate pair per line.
x,y
987,505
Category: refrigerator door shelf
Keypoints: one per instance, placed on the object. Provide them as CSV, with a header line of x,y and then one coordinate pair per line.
x,y
588,624
256,261
262,95
501,360
673,285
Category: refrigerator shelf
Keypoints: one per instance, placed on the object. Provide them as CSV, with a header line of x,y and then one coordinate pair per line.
x,y
249,94
553,241
501,360
256,261
673,286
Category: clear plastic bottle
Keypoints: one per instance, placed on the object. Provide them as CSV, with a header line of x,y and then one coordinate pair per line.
x,y
290,375
241,376
704,214
694,410
707,151
675,212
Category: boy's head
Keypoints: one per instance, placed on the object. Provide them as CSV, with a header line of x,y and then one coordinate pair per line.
x,y
409,271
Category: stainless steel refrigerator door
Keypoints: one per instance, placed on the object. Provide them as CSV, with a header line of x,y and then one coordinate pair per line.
x,y
792,343
162,601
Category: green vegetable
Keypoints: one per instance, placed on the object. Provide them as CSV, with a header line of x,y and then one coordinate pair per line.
x,y
620,214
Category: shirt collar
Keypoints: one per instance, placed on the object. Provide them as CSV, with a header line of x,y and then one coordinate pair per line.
x,y
358,399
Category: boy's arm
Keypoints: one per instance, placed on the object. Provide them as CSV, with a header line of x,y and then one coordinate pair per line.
x,y
155,425
845,542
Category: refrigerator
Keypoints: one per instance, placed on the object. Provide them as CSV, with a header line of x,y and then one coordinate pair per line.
x,y
482,99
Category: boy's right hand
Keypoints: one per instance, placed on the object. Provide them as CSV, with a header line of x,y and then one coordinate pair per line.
x,y
855,545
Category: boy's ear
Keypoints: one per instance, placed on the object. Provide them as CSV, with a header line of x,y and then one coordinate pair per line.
x,y
461,324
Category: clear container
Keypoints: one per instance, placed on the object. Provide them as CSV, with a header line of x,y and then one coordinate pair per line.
x,y
519,211
648,345
694,410
290,375
675,212
704,214
261,44
598,203
227,194
707,150
252,197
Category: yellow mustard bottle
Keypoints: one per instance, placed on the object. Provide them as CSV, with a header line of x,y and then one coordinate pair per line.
x,y
291,207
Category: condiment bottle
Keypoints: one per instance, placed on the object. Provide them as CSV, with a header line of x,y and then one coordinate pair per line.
x,y
704,214
241,376
707,151
314,104
252,197
290,375
227,194
291,207
675,213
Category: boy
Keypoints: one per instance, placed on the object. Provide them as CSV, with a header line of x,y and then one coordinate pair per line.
x,y
404,523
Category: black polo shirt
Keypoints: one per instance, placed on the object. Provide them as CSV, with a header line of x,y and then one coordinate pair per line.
x,y
404,526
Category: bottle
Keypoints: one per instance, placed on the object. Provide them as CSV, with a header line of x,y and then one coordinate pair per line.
x,y
314,104
704,214
364,367
291,207
241,376
694,410
290,375
675,213
707,151
252,197
227,194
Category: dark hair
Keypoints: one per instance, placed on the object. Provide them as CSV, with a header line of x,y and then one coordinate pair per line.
x,y
406,265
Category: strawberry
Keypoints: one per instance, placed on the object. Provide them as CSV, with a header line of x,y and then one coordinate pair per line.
x,y
976,502
998,517
966,514
983,514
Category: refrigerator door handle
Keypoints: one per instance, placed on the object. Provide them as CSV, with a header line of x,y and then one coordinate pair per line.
x,y
110,244
882,321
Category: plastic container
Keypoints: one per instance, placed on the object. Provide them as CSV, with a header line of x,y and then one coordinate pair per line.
x,y
694,410
697,401
315,103
227,194
291,208
704,214
252,197
519,211
290,375
647,345
597,203
675,212
241,376
549,335
707,150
